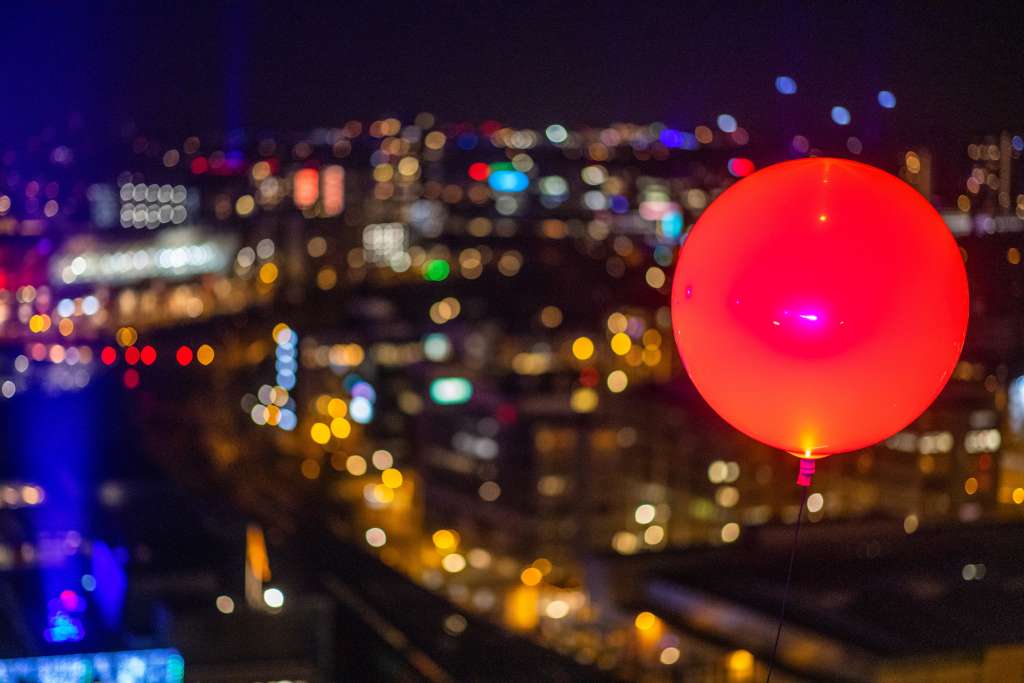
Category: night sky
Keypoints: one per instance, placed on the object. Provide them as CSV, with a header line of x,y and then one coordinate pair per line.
x,y
191,67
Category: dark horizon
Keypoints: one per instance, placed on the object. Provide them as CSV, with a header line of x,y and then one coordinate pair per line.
x,y
265,65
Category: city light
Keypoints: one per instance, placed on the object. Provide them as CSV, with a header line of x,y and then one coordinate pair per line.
x,y
508,181
173,255
785,85
840,115
273,598
740,167
333,179
531,576
225,605
436,270
445,539
556,133
645,621
376,537
451,390
132,666
583,348
306,188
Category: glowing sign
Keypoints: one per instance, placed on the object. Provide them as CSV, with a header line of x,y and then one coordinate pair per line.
x,y
305,187
333,179
134,666
448,391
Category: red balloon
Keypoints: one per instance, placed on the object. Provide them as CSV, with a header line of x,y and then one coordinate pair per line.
x,y
820,305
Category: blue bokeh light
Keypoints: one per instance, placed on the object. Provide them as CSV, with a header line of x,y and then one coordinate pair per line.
x,y
785,85
886,99
508,181
841,115
467,141
671,137
726,123
672,225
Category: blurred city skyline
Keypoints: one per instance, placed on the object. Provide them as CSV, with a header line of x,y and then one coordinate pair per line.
x,y
447,235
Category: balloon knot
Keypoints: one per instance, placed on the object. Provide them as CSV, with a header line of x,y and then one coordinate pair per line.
x,y
806,472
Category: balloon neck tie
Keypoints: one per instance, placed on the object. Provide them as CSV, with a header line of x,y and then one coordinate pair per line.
x,y
803,477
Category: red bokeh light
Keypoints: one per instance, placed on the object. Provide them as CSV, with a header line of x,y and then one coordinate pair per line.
x,y
148,355
183,355
108,355
506,414
131,355
490,127
820,305
588,377
479,171
131,378
740,167
200,165
69,600
306,187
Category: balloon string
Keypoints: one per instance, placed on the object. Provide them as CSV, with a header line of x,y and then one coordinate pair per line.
x,y
789,573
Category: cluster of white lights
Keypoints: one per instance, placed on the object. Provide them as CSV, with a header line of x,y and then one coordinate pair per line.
x,y
384,241
926,444
905,442
723,472
982,441
935,442
148,206
67,308
482,447
166,258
